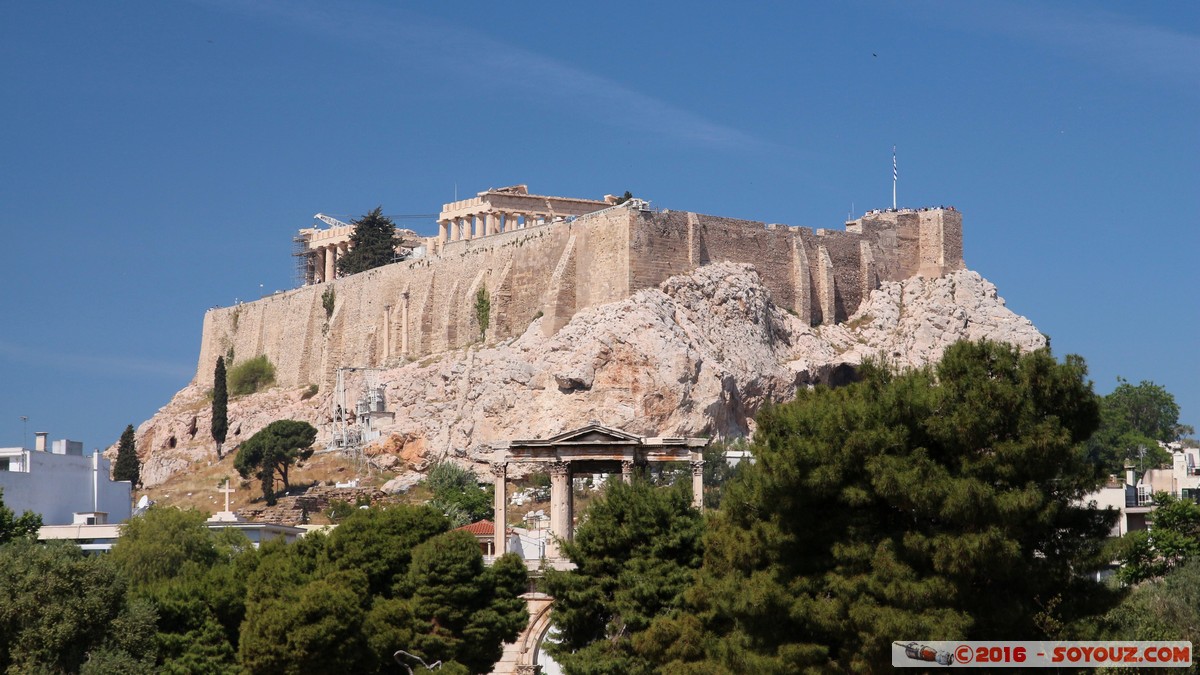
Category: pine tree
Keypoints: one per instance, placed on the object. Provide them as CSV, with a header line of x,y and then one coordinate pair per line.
x,y
944,502
128,467
636,552
373,244
272,451
220,405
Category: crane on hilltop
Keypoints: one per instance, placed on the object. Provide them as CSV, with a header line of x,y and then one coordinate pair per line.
x,y
330,220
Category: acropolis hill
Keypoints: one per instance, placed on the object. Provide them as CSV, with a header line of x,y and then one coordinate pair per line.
x,y
657,322
550,257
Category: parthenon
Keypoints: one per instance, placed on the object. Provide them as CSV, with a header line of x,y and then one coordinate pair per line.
x,y
506,209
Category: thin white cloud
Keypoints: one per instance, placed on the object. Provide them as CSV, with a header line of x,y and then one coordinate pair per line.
x,y
93,363
1118,42
1121,44
493,66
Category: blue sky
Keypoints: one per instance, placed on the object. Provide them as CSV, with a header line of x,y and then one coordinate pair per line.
x,y
156,158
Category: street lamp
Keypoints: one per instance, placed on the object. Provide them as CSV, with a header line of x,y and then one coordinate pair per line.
x,y
399,652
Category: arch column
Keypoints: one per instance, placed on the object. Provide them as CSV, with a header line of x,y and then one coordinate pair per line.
x,y
517,221
500,521
478,218
560,507
698,484
627,470
508,221
443,230
490,223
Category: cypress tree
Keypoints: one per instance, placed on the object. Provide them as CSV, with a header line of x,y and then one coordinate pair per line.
x,y
220,404
127,467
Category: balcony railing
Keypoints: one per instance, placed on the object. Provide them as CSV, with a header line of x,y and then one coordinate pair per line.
x,y
1144,499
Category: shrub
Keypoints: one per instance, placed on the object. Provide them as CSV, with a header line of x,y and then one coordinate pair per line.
x,y
250,376
483,308
338,509
327,300
310,392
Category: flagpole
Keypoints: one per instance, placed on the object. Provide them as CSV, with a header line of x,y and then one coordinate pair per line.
x,y
895,175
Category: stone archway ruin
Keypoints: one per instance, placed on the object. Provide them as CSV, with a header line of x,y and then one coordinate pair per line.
x,y
594,448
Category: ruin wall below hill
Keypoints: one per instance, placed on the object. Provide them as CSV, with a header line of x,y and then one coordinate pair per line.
x,y
413,309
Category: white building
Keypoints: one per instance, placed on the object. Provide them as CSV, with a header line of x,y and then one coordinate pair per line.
x,y
1134,497
62,485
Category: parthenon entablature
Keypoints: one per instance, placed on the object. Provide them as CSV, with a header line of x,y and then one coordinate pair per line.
x,y
506,209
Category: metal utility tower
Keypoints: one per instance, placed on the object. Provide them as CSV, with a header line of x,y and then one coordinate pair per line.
x,y
352,427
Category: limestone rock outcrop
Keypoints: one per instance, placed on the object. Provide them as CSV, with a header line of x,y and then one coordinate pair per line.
x,y
698,355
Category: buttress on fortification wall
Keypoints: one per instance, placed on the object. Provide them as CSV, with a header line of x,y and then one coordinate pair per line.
x,y
411,309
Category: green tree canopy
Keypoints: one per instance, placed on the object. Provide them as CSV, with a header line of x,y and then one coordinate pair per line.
x,y
942,502
220,404
718,471
373,244
57,605
380,542
636,552
12,526
1133,419
1165,610
157,544
1172,540
457,610
385,579
312,624
273,450
456,493
195,579
127,467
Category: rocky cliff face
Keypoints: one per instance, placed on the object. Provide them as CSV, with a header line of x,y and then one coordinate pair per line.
x,y
697,356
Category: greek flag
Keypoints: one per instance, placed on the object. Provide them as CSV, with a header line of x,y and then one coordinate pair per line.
x,y
895,173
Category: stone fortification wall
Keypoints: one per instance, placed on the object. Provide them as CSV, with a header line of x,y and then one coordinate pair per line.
x,y
822,276
413,309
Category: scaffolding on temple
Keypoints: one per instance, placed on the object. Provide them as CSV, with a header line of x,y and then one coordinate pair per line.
x,y
304,270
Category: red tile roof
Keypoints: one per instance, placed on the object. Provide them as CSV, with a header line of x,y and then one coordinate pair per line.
x,y
480,528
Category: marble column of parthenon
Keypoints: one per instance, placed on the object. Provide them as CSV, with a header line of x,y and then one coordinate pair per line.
x,y
316,266
330,263
476,225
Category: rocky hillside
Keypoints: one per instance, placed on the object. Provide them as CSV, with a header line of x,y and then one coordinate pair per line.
x,y
697,356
